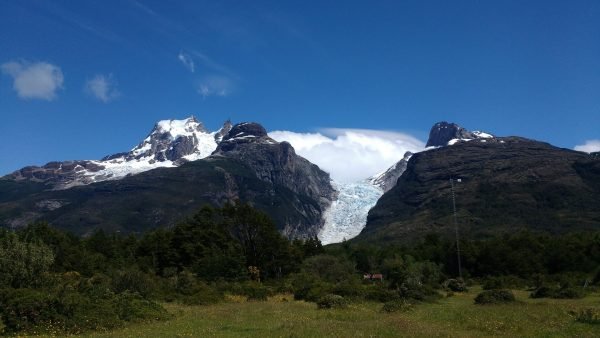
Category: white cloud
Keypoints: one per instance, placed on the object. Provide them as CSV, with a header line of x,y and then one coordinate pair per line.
x,y
351,155
215,85
102,88
39,80
187,61
589,146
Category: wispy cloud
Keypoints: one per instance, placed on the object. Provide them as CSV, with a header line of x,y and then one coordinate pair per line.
x,y
350,155
102,87
213,65
215,85
589,146
187,61
34,80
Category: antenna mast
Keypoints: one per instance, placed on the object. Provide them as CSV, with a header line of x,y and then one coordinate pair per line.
x,y
456,226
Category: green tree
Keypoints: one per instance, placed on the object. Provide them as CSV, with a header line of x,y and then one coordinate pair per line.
x,y
23,264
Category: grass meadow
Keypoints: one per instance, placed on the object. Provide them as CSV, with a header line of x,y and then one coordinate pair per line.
x,y
455,316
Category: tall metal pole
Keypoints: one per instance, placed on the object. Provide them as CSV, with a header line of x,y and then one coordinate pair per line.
x,y
456,228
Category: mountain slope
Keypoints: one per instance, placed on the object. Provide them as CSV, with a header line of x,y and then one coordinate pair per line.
x,y
507,183
249,167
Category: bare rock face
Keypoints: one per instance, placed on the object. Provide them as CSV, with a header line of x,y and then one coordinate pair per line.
x,y
278,164
55,173
387,180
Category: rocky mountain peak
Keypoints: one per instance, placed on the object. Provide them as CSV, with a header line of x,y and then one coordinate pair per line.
x,y
243,134
387,179
175,128
278,164
169,144
221,133
445,133
246,130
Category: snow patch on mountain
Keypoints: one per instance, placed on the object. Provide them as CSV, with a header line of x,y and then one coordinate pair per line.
x,y
347,216
169,144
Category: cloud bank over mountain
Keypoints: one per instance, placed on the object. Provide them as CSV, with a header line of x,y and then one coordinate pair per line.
x,y
589,146
351,155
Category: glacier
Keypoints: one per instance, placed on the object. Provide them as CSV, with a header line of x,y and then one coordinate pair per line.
x,y
346,217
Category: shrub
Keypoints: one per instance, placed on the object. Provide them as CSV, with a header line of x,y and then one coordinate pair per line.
x,y
23,309
332,302
588,316
133,281
72,311
503,282
256,291
456,285
399,305
558,293
380,293
350,288
132,307
570,293
495,297
203,294
309,288
422,293
543,292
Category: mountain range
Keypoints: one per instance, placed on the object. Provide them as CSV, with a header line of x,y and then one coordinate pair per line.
x,y
506,183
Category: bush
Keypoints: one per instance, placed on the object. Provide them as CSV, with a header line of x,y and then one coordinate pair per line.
x,y
456,285
72,311
503,282
399,305
380,293
570,293
421,293
203,294
23,309
350,288
543,292
588,316
495,297
558,293
133,281
332,302
256,291
308,287
132,307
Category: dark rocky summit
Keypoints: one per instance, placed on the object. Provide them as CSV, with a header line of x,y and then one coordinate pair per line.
x,y
442,132
278,164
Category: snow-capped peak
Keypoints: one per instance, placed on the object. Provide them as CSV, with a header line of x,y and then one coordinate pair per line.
x,y
171,140
169,144
177,128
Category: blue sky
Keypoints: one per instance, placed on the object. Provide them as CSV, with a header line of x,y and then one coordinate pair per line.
x,y
82,79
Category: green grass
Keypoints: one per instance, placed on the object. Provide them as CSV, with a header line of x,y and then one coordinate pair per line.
x,y
454,316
